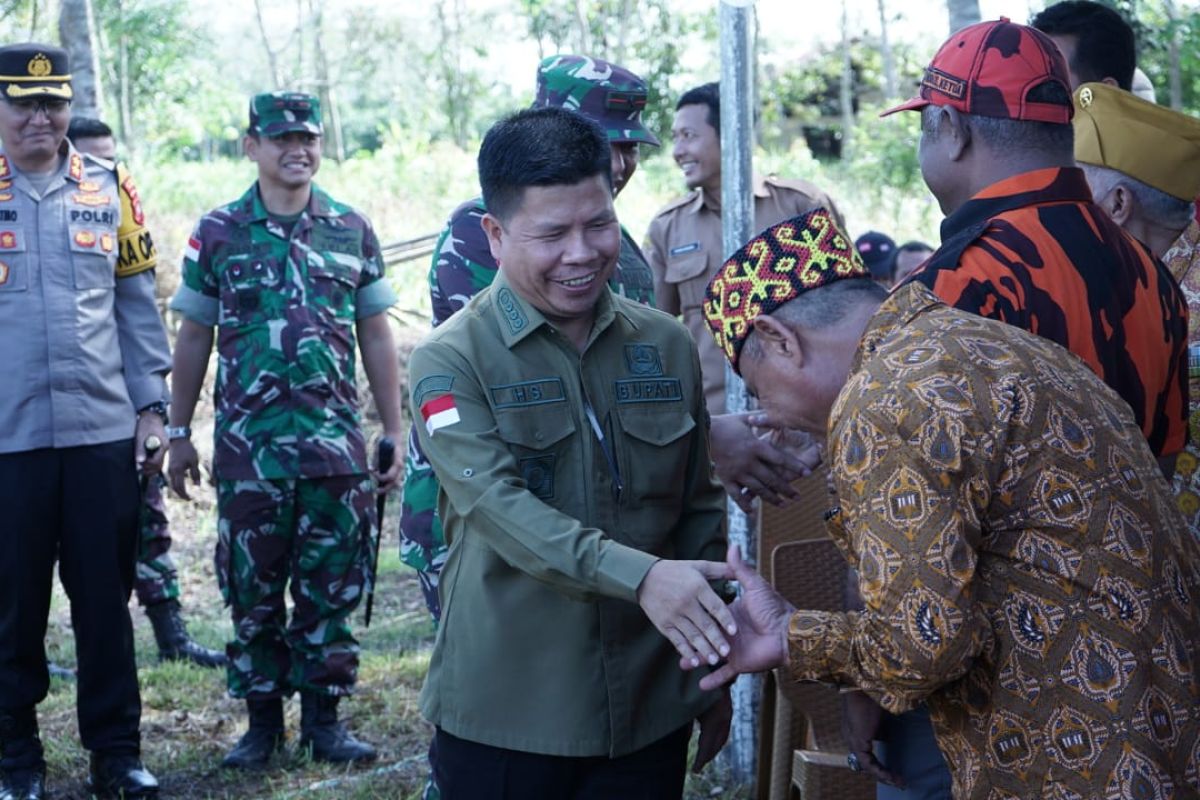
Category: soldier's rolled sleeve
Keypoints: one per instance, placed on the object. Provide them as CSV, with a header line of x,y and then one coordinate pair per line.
x,y
483,484
145,354
197,307
374,298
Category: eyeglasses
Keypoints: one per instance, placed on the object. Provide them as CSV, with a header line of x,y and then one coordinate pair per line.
x,y
51,106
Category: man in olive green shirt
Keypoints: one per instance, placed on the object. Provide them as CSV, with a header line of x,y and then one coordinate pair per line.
x,y
567,429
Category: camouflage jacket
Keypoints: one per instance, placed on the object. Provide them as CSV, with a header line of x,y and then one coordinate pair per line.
x,y
463,265
285,307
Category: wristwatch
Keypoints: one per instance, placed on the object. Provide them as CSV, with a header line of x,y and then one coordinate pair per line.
x,y
178,432
158,407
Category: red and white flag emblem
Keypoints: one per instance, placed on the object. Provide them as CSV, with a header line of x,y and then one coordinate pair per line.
x,y
439,412
192,253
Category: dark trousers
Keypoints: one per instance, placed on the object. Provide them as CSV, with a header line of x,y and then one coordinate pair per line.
x,y
468,770
79,505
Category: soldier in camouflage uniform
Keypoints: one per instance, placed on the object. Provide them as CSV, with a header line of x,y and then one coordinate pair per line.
x,y
292,280
463,266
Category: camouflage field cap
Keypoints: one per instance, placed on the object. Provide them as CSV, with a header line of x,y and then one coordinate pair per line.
x,y
997,69
1147,142
775,267
34,70
277,113
612,96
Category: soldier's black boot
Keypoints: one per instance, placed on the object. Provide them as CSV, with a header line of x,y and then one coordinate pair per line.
x,y
261,739
22,766
171,634
325,737
120,777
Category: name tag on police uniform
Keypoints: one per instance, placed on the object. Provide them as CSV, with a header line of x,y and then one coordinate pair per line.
x,y
684,249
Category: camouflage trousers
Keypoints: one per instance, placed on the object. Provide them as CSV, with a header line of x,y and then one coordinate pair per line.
x,y
316,535
155,580
422,543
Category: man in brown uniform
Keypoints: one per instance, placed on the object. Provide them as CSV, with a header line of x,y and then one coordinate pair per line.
x,y
1142,162
683,243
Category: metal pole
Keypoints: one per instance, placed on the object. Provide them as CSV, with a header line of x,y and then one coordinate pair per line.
x,y
737,226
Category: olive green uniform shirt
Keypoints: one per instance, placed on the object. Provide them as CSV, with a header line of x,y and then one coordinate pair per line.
x,y
683,246
542,646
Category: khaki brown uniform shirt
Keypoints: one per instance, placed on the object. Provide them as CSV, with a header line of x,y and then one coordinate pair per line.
x,y
683,246
564,476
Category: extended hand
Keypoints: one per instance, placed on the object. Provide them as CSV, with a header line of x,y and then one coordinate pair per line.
x,y
762,618
749,465
677,598
184,462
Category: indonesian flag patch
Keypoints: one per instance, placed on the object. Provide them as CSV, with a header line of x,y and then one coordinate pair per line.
x,y
192,251
439,412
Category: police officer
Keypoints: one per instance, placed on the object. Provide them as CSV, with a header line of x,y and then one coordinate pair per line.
x,y
565,424
684,239
292,280
156,581
89,358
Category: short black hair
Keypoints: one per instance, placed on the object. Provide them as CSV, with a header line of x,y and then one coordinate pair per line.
x,y
87,128
1104,46
707,95
539,147
913,246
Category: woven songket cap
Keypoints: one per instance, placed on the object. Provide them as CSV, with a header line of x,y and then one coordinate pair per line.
x,y
773,268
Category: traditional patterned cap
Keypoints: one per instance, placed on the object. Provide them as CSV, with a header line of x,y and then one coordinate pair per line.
x,y
773,268
277,113
996,69
34,70
1147,142
612,96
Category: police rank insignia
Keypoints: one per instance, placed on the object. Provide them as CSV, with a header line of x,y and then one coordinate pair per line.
x,y
89,186
8,240
92,200
75,170
106,242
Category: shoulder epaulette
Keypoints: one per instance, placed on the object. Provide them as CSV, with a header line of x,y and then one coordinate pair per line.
x,y
678,202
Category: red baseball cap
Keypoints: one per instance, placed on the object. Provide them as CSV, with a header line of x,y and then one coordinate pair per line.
x,y
995,69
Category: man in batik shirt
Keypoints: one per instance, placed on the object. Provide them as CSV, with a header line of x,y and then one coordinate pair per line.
x,y
1022,563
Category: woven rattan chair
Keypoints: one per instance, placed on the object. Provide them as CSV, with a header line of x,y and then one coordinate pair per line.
x,y
812,574
781,730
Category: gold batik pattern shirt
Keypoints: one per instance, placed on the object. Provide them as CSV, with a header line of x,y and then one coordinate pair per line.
x,y
1023,565
1183,260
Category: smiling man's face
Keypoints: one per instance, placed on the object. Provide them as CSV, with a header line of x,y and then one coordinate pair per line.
x,y
696,147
